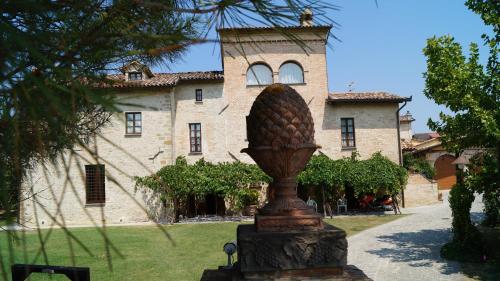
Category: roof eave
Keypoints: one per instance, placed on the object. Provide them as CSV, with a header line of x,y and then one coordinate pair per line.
x,y
276,28
351,101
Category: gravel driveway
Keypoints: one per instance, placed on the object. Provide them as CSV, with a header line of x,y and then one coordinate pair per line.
x,y
408,248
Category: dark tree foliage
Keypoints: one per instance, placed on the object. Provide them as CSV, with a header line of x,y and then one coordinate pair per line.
x,y
472,92
469,89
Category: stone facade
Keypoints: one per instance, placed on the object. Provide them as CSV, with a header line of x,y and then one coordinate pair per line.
x,y
167,103
61,195
209,113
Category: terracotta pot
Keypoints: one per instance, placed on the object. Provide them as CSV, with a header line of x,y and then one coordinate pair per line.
x,y
249,210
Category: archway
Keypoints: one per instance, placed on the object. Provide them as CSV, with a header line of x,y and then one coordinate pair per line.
x,y
445,171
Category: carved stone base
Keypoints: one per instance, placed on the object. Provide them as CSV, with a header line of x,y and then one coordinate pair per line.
x,y
260,252
350,273
287,223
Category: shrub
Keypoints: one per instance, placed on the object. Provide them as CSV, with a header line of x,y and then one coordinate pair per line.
x,y
246,197
481,178
418,165
466,244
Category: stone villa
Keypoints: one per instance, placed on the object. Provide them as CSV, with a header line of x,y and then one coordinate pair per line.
x,y
202,114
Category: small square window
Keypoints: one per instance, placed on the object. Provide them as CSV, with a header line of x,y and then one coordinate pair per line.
x,y
199,95
134,123
135,76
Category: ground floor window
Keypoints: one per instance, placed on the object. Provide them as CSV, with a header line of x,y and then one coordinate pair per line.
x,y
95,184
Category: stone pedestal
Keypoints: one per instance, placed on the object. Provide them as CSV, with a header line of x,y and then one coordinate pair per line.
x,y
350,273
285,223
299,253
289,241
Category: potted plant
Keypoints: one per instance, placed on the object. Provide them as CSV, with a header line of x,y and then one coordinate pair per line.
x,y
249,199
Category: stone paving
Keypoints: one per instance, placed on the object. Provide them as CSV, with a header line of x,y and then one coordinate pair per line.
x,y
408,248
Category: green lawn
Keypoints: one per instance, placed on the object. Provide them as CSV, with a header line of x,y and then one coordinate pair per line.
x,y
147,253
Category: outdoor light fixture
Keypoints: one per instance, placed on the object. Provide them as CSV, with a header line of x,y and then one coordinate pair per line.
x,y
230,248
461,162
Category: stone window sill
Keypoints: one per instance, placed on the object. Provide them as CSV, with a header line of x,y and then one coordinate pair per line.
x,y
133,135
296,84
346,148
91,205
195,153
258,86
198,102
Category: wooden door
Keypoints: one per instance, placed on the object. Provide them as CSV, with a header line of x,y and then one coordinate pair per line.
x,y
445,172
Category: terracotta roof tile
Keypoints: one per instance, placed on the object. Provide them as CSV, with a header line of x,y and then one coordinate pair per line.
x,y
162,79
294,27
366,97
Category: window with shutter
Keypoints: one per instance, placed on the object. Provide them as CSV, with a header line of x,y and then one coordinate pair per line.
x,y
95,184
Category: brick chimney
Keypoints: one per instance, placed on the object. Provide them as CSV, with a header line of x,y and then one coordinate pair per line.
x,y
306,18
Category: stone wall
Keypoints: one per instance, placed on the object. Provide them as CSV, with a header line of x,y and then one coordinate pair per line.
x,y
210,113
123,156
375,130
420,191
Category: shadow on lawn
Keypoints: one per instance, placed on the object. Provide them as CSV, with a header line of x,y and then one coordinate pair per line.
x,y
419,249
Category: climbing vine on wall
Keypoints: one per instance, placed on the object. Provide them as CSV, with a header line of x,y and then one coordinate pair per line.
x,y
377,175
178,182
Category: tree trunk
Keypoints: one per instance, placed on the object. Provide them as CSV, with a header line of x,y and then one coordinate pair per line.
x,y
176,209
498,164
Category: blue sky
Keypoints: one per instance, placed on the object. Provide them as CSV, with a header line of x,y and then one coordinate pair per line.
x,y
380,47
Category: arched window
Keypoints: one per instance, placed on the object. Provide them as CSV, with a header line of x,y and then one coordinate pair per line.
x,y
259,74
291,73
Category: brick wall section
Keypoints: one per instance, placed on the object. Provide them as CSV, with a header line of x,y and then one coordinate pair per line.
x,y
128,157
420,191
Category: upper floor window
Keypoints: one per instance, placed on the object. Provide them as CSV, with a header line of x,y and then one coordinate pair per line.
x,y
134,123
195,137
259,74
94,184
347,129
134,76
291,73
199,95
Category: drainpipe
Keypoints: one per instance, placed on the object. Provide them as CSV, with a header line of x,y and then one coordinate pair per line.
x,y
173,117
400,153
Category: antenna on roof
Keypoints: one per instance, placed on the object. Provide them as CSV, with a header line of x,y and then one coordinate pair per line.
x,y
350,86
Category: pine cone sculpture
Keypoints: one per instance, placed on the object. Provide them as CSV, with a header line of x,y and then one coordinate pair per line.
x,y
279,117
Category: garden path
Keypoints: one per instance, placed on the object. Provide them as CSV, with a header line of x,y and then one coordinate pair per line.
x,y
408,249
